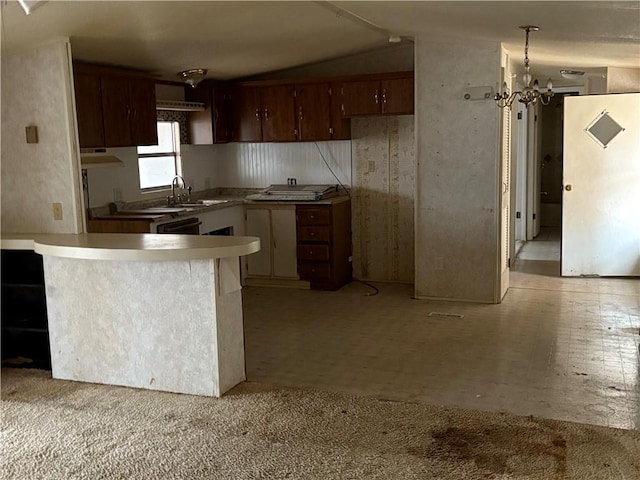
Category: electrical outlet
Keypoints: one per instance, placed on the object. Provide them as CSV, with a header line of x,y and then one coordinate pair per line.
x,y
438,263
57,211
371,167
117,194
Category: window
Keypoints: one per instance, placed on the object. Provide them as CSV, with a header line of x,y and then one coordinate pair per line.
x,y
158,164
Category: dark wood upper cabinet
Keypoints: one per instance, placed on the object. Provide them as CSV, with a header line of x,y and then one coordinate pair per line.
x,y
247,114
114,108
386,96
340,125
263,114
278,118
212,125
313,109
360,98
89,110
116,111
397,96
142,101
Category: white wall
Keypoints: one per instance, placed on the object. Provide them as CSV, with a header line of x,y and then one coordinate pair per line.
x,y
263,164
457,208
623,80
383,198
36,90
245,165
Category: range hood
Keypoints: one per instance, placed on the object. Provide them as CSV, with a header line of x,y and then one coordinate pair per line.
x,y
179,106
99,160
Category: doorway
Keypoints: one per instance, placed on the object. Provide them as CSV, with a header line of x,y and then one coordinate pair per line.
x,y
539,182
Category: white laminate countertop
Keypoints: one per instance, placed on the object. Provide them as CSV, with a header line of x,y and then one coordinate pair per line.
x,y
143,247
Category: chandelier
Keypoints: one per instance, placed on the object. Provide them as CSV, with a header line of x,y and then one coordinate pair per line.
x,y
530,94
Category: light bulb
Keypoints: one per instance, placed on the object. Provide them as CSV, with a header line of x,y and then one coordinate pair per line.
x,y
549,85
536,87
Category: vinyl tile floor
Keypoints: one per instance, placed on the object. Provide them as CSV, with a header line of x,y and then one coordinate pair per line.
x,y
561,348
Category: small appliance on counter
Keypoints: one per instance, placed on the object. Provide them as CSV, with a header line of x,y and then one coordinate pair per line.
x,y
295,193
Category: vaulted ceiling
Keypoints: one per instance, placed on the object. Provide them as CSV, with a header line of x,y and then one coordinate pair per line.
x,y
235,39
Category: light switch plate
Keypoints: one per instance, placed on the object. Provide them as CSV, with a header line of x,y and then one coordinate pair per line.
x,y
32,134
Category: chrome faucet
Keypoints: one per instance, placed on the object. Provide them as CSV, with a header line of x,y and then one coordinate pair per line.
x,y
173,199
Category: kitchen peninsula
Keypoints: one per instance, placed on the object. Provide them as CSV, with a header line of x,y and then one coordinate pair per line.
x,y
161,312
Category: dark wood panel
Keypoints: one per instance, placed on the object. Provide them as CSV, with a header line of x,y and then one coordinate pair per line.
x,y
213,124
278,114
360,98
315,271
88,93
119,226
313,108
313,215
142,104
116,111
397,96
324,244
247,114
340,125
313,252
314,234
221,112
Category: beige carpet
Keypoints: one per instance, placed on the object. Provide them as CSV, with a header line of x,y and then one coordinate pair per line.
x,y
54,429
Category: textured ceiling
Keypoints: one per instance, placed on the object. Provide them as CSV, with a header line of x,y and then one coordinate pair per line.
x,y
239,38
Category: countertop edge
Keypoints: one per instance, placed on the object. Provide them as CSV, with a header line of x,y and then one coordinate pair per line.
x,y
134,247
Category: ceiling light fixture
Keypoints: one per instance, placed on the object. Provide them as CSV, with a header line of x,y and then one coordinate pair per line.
x,y
530,94
193,77
572,74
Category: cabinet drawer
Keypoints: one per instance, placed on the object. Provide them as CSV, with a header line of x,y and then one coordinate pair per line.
x,y
314,271
314,216
313,252
314,234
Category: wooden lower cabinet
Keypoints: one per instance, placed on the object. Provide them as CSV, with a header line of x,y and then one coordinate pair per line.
x,y
119,226
324,244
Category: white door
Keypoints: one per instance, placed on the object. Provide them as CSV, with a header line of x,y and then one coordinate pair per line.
x,y
283,228
259,225
601,181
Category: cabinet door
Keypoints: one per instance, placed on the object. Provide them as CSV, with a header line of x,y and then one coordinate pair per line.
x,y
360,98
89,110
259,225
278,114
142,107
247,114
115,107
313,108
397,96
340,125
212,124
221,123
283,227
199,124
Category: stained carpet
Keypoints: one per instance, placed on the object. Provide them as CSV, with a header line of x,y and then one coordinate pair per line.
x,y
53,429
